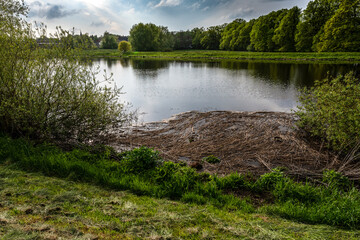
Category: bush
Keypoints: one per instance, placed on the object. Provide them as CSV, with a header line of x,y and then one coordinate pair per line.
x,y
124,47
336,180
331,110
49,94
140,160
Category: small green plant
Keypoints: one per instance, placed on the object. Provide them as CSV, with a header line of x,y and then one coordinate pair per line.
x,y
331,110
140,160
268,181
211,159
336,180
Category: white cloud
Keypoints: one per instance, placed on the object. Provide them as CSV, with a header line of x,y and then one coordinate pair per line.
x,y
195,6
168,3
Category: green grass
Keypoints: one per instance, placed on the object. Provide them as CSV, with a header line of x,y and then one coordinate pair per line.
x,y
233,55
34,206
336,202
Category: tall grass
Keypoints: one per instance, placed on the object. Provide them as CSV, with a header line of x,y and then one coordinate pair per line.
x,y
141,171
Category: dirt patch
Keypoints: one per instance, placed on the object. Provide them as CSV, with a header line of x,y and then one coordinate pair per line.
x,y
244,142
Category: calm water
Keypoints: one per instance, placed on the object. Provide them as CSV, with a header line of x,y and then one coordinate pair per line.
x,y
160,89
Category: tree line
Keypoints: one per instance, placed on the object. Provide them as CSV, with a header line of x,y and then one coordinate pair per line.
x,y
323,26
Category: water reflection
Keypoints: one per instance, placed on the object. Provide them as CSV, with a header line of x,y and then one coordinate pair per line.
x,y
163,88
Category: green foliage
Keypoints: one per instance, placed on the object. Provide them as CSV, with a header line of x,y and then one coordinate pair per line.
x,y
230,33
314,17
140,160
182,40
233,182
262,32
341,31
197,35
335,203
211,37
284,35
336,180
124,47
108,41
241,42
49,93
149,37
268,181
211,159
331,110
82,41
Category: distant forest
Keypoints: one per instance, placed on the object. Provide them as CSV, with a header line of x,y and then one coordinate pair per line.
x,y
324,26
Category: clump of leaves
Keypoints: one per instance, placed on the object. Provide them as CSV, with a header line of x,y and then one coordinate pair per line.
x,y
212,159
140,159
336,180
331,110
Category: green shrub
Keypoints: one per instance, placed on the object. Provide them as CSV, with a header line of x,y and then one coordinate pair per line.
x,y
331,110
140,160
336,180
268,181
211,159
234,181
124,47
49,94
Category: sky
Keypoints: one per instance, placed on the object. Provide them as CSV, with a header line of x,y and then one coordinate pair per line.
x,y
118,16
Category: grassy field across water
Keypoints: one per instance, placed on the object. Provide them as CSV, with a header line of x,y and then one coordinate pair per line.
x,y
342,57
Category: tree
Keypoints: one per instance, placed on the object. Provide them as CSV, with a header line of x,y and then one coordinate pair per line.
x,y
149,37
182,40
124,47
211,37
262,33
312,23
197,35
284,35
108,41
242,41
50,95
231,32
341,31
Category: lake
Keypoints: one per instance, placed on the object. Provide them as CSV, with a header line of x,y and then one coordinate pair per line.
x,y
160,89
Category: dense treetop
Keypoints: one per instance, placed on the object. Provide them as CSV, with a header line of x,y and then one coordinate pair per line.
x,y
324,25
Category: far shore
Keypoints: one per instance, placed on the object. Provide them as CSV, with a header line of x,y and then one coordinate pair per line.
x,y
217,55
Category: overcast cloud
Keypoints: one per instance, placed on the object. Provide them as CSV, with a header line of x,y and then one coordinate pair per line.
x,y
117,16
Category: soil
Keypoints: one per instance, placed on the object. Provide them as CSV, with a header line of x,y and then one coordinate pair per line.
x,y
245,142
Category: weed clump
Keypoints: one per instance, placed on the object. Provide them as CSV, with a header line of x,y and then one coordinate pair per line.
x,y
211,159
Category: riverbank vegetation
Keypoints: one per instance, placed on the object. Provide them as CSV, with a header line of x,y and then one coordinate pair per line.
x,y
211,55
49,98
37,207
334,202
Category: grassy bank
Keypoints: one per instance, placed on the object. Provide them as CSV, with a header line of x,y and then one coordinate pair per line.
x,y
230,55
37,207
334,202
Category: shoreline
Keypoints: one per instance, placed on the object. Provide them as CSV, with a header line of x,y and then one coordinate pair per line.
x,y
245,142
217,55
